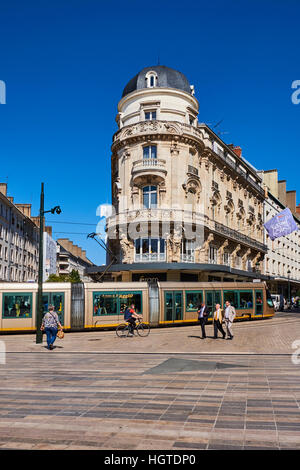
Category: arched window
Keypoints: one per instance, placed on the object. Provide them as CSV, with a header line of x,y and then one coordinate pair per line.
x,y
150,197
151,79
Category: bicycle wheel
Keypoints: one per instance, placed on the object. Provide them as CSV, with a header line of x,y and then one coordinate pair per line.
x,y
143,329
122,330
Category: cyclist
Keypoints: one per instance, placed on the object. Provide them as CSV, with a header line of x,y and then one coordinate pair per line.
x,y
130,316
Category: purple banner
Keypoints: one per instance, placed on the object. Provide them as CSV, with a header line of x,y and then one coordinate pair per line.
x,y
281,225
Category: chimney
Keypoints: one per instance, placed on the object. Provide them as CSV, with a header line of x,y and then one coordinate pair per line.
x,y
25,209
48,229
237,150
3,188
11,199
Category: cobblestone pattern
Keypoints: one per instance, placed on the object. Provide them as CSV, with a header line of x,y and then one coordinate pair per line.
x,y
160,401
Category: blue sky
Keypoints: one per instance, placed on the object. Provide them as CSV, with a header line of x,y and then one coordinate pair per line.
x,y
65,64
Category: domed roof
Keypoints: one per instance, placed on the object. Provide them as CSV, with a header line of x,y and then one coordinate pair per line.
x,y
166,78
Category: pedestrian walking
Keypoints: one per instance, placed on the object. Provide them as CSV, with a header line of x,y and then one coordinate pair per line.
x,y
203,313
218,320
229,316
50,325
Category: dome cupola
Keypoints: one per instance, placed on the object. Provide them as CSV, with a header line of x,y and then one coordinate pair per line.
x,y
158,76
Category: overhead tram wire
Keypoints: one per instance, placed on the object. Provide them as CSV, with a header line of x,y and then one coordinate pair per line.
x,y
72,223
73,233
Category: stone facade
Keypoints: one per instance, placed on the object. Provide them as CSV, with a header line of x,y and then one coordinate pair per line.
x,y
282,262
172,177
19,240
69,257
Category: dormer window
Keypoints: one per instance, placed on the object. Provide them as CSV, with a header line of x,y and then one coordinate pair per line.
x,y
151,79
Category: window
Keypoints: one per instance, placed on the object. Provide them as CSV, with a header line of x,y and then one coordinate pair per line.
x,y
150,197
57,299
150,151
105,304
188,251
151,79
269,299
150,115
246,299
17,305
232,297
109,303
150,249
226,258
213,254
192,300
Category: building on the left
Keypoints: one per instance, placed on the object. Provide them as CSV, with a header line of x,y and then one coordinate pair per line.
x,y
19,240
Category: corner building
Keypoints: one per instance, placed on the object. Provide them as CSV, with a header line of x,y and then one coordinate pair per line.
x,y
188,207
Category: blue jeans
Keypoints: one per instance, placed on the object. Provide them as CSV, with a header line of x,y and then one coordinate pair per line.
x,y
51,334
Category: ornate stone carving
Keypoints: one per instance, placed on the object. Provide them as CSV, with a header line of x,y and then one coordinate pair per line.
x,y
174,149
192,185
126,249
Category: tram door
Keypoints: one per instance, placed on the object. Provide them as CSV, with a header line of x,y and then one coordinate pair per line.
x,y
212,297
57,300
173,306
258,302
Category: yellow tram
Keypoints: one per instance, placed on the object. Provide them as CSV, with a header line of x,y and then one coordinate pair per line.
x,y
101,305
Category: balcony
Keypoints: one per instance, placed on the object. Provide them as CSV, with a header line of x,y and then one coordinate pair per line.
x,y
154,167
240,237
149,257
187,258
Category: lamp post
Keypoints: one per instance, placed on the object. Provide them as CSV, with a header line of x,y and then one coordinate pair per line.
x,y
289,288
39,305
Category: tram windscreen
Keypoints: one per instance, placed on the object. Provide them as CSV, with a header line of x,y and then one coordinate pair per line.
x,y
269,299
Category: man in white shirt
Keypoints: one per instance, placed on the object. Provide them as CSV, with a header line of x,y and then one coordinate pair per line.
x,y
230,314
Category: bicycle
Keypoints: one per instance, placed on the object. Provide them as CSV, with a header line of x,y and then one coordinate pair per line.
x,y
124,330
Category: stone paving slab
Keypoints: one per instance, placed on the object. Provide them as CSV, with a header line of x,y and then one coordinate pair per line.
x,y
164,392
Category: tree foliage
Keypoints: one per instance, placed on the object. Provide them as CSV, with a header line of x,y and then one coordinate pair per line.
x,y
72,277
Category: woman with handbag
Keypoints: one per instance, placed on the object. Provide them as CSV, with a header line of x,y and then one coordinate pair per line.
x,y
50,325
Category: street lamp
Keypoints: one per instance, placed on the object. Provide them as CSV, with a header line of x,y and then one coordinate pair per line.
x,y
289,287
39,305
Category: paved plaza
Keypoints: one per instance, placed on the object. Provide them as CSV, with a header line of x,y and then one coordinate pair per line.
x,y
169,391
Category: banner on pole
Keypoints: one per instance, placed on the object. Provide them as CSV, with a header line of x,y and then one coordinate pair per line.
x,y
281,225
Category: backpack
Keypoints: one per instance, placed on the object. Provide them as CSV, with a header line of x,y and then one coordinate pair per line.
x,y
127,313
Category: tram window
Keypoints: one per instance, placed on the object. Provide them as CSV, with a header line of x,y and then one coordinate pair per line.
x,y
269,299
105,304
129,298
17,306
108,303
192,300
246,300
232,297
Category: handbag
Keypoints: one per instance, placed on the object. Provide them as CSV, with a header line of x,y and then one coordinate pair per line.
x,y
60,334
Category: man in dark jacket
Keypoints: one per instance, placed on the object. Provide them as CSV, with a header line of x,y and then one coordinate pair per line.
x,y
203,313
